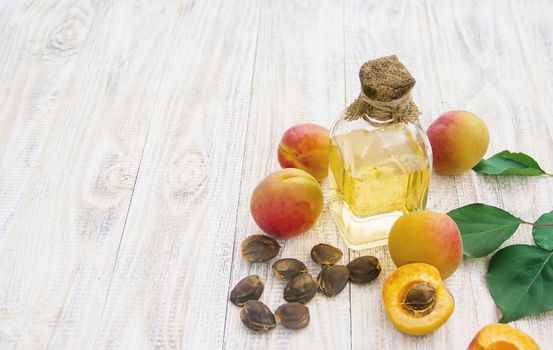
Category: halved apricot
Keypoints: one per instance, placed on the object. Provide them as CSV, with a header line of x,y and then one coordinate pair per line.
x,y
498,336
416,299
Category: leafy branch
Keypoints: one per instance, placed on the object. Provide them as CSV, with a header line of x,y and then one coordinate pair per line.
x,y
520,276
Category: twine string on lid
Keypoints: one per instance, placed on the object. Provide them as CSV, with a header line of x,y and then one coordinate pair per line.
x,y
385,96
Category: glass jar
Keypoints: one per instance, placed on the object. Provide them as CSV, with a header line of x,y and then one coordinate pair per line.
x,y
380,163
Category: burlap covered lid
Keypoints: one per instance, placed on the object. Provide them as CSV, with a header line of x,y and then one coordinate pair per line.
x,y
385,96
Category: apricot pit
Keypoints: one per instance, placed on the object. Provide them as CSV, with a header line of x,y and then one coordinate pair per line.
x,y
333,279
257,316
259,248
249,288
325,254
364,269
301,289
420,299
292,315
288,268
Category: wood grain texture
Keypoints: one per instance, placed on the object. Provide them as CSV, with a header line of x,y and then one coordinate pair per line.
x,y
169,287
132,134
298,78
75,113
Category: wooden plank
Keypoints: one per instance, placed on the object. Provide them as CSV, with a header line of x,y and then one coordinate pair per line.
x,y
373,30
298,78
493,62
170,283
76,96
196,95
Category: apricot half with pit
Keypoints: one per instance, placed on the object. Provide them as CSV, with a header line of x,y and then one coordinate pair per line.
x,y
498,336
416,300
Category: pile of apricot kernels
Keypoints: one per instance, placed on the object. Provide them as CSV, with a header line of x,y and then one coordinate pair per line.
x,y
498,336
300,288
416,300
426,237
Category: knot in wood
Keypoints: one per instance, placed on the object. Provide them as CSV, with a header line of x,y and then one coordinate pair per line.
x,y
187,173
66,38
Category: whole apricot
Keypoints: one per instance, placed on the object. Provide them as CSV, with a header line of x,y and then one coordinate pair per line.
x,y
426,237
306,147
416,300
498,336
459,140
286,203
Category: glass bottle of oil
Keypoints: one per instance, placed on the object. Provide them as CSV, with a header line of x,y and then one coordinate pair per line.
x,y
380,158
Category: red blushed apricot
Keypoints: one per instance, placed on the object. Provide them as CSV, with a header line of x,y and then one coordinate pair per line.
x,y
287,203
498,336
459,140
306,147
426,237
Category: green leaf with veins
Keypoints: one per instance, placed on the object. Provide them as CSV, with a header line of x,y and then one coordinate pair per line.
x,y
483,228
509,163
520,278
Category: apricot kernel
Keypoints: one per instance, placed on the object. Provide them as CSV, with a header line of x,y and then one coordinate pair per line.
x,y
420,299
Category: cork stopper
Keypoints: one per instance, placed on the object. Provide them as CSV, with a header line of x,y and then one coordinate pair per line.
x,y
385,96
385,79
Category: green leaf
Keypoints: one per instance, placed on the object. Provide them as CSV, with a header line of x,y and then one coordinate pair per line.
x,y
509,163
483,228
543,235
520,278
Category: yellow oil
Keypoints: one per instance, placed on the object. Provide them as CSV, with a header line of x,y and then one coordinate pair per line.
x,y
375,177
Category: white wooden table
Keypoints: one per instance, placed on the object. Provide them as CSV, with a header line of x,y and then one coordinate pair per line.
x,y
132,134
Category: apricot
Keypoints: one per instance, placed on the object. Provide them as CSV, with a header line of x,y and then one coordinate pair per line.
x,y
498,336
306,147
459,140
416,300
427,237
286,203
